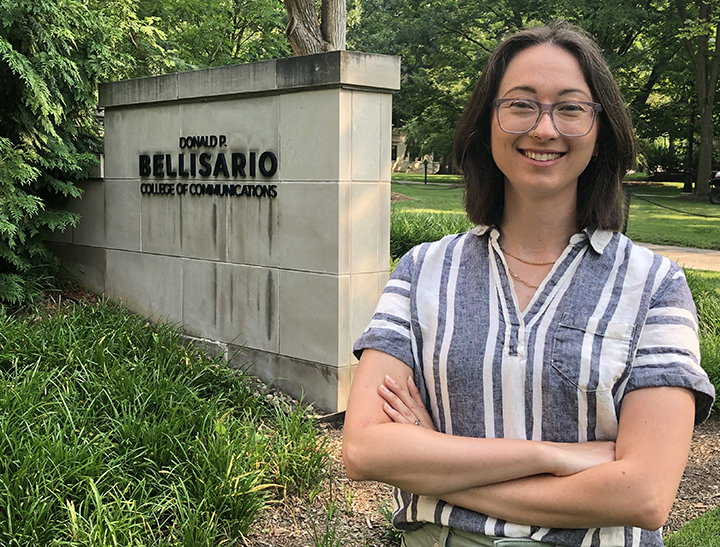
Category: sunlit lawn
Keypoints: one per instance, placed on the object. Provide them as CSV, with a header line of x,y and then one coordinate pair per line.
x,y
658,214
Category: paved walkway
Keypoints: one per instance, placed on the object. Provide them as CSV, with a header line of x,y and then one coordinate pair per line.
x,y
699,259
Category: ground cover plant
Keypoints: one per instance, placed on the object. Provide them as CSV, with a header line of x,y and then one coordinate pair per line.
x,y
705,287
113,432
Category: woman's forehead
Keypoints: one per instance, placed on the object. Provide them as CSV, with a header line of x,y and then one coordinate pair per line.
x,y
544,70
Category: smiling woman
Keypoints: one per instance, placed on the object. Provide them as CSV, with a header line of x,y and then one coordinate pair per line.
x,y
533,381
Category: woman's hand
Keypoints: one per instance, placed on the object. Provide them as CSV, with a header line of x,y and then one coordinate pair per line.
x,y
404,405
575,457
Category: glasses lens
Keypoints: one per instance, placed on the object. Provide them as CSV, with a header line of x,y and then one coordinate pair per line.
x,y
517,116
572,119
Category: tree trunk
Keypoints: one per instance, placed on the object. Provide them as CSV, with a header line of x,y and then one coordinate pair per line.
x,y
447,165
702,186
706,68
333,23
304,31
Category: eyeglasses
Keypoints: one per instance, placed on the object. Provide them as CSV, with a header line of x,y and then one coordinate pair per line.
x,y
570,118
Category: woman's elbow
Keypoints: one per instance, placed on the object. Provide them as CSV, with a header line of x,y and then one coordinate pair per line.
x,y
651,508
356,460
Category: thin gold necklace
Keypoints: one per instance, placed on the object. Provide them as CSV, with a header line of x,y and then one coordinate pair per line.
x,y
521,280
526,261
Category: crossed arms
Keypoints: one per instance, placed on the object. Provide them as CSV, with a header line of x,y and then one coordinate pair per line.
x,y
631,482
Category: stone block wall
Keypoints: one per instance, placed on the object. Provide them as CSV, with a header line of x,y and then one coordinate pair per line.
x,y
292,278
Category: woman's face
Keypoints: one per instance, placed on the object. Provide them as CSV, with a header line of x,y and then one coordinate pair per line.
x,y
549,164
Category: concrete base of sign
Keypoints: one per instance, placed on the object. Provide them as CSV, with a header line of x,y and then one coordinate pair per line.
x,y
250,205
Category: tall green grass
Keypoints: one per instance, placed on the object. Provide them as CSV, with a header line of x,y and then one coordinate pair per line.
x,y
409,228
705,287
112,432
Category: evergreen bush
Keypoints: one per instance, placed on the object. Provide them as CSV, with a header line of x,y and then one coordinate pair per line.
x,y
52,57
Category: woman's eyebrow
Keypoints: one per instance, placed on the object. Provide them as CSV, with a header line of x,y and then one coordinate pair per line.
x,y
572,90
527,88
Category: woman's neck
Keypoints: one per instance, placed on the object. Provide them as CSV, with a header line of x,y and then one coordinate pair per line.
x,y
538,230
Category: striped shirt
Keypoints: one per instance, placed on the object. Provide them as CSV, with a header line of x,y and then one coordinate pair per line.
x,y
610,317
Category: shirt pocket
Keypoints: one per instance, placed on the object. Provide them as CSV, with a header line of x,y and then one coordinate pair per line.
x,y
594,356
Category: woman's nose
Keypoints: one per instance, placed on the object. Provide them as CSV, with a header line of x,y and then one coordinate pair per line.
x,y
545,127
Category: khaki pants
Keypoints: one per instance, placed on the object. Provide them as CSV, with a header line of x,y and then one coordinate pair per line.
x,y
434,535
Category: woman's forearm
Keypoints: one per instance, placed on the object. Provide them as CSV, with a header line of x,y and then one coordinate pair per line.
x,y
636,490
606,495
426,462
430,463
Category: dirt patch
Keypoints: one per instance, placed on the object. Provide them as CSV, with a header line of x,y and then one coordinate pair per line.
x,y
395,196
700,486
359,521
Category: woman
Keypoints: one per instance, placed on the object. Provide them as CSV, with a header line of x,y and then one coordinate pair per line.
x,y
557,361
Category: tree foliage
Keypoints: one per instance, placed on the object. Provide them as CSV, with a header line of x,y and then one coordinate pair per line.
x,y
52,55
445,44
207,33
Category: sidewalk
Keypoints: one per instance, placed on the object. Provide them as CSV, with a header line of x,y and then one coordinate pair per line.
x,y
699,259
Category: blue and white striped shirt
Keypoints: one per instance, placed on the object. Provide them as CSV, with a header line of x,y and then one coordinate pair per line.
x,y
611,317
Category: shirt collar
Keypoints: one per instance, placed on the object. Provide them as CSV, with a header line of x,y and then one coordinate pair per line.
x,y
598,238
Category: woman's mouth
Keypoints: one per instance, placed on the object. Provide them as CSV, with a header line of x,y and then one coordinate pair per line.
x,y
546,156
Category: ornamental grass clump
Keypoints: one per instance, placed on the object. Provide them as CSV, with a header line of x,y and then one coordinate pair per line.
x,y
409,228
113,432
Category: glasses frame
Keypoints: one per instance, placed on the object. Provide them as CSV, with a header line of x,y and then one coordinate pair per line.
x,y
545,107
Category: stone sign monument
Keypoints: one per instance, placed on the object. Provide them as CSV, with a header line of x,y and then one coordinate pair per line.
x,y
249,205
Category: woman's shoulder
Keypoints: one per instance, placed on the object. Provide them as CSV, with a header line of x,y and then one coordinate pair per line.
x,y
635,254
434,255
435,249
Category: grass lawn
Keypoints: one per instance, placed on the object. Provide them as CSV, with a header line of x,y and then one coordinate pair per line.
x,y
652,219
701,532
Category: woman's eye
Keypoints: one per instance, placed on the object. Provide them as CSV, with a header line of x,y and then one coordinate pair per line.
x,y
522,106
570,108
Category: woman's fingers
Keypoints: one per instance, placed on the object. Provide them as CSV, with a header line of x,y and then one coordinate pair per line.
x,y
393,414
399,412
406,403
418,407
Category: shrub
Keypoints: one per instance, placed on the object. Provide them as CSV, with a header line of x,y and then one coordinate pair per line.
x,y
52,57
705,287
654,157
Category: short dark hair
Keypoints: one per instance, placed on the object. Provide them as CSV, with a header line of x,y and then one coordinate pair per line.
x,y
600,199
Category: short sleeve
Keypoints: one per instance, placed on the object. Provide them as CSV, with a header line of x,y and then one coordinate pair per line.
x,y
389,330
668,352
